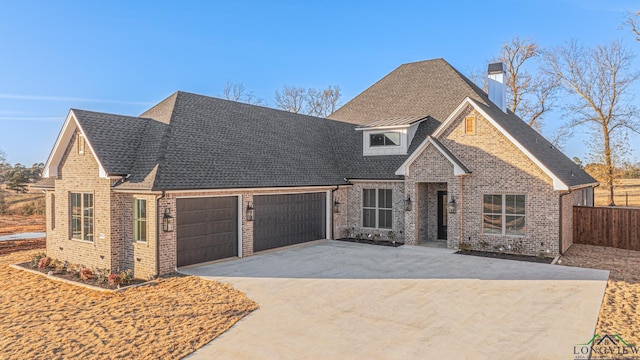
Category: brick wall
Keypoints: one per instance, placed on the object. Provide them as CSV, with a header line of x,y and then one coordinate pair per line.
x,y
351,223
79,173
497,167
574,198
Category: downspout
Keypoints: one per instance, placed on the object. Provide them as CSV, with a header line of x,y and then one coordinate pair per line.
x,y
460,211
332,213
560,220
158,212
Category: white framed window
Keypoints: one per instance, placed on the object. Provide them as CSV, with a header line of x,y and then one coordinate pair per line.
x,y
377,208
81,216
140,220
385,139
504,215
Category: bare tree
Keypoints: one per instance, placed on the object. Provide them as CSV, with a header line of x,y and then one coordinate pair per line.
x,y
322,103
599,78
315,102
633,21
529,96
237,92
291,98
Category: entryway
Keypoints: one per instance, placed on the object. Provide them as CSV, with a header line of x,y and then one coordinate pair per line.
x,y
433,217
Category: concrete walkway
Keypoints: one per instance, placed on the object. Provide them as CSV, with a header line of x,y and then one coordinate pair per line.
x,y
337,300
21,236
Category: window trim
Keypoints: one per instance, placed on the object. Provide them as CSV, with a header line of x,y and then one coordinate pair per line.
x,y
503,215
377,208
371,135
82,216
138,220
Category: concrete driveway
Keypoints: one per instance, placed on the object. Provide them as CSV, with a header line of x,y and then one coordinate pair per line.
x,y
337,300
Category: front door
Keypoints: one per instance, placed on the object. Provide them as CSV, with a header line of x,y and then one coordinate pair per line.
x,y
442,215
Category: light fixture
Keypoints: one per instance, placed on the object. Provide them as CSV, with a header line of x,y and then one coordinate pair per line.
x,y
251,212
407,204
167,221
336,207
452,206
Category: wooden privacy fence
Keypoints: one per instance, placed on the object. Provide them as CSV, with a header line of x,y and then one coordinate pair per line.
x,y
607,226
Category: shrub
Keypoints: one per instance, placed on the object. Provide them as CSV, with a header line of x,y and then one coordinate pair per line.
x,y
114,279
74,268
28,209
86,274
102,274
58,265
126,277
44,262
464,246
35,260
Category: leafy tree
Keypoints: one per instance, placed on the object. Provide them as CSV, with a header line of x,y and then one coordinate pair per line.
x,y
578,162
4,165
599,80
35,172
17,178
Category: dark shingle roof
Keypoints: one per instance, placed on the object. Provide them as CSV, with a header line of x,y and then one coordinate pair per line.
x,y
428,88
114,138
436,89
191,141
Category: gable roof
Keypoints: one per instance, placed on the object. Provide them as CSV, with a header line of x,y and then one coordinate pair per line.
x,y
437,90
190,141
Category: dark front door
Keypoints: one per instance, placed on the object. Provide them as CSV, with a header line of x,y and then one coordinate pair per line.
x,y
207,229
287,219
442,215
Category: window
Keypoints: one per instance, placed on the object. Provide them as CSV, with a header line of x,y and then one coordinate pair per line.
x,y
81,143
504,215
53,211
139,220
470,125
82,216
377,208
385,139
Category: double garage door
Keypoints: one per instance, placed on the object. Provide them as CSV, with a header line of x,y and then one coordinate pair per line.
x,y
207,228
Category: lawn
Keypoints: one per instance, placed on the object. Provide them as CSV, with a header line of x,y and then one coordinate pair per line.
x,y
172,317
622,188
619,311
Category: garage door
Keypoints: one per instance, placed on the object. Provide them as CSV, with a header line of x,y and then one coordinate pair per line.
x,y
288,219
207,229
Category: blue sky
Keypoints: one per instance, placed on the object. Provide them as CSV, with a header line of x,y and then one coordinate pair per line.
x,y
124,56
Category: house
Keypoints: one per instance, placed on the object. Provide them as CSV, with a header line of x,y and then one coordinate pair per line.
x,y
422,155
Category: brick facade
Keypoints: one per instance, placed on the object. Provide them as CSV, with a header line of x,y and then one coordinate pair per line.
x,y
497,167
351,223
80,173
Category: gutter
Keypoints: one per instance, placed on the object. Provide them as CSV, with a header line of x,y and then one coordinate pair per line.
x,y
161,196
560,220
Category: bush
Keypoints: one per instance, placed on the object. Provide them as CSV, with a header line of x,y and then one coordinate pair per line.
x,y
44,262
35,260
126,277
114,279
86,274
102,274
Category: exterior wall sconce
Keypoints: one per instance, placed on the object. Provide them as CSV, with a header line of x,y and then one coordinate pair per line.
x,y
251,212
167,221
407,204
336,207
452,205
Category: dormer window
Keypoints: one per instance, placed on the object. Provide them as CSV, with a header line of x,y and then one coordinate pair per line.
x,y
385,139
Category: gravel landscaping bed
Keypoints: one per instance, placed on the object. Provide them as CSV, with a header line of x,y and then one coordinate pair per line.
x,y
619,313
495,255
168,319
